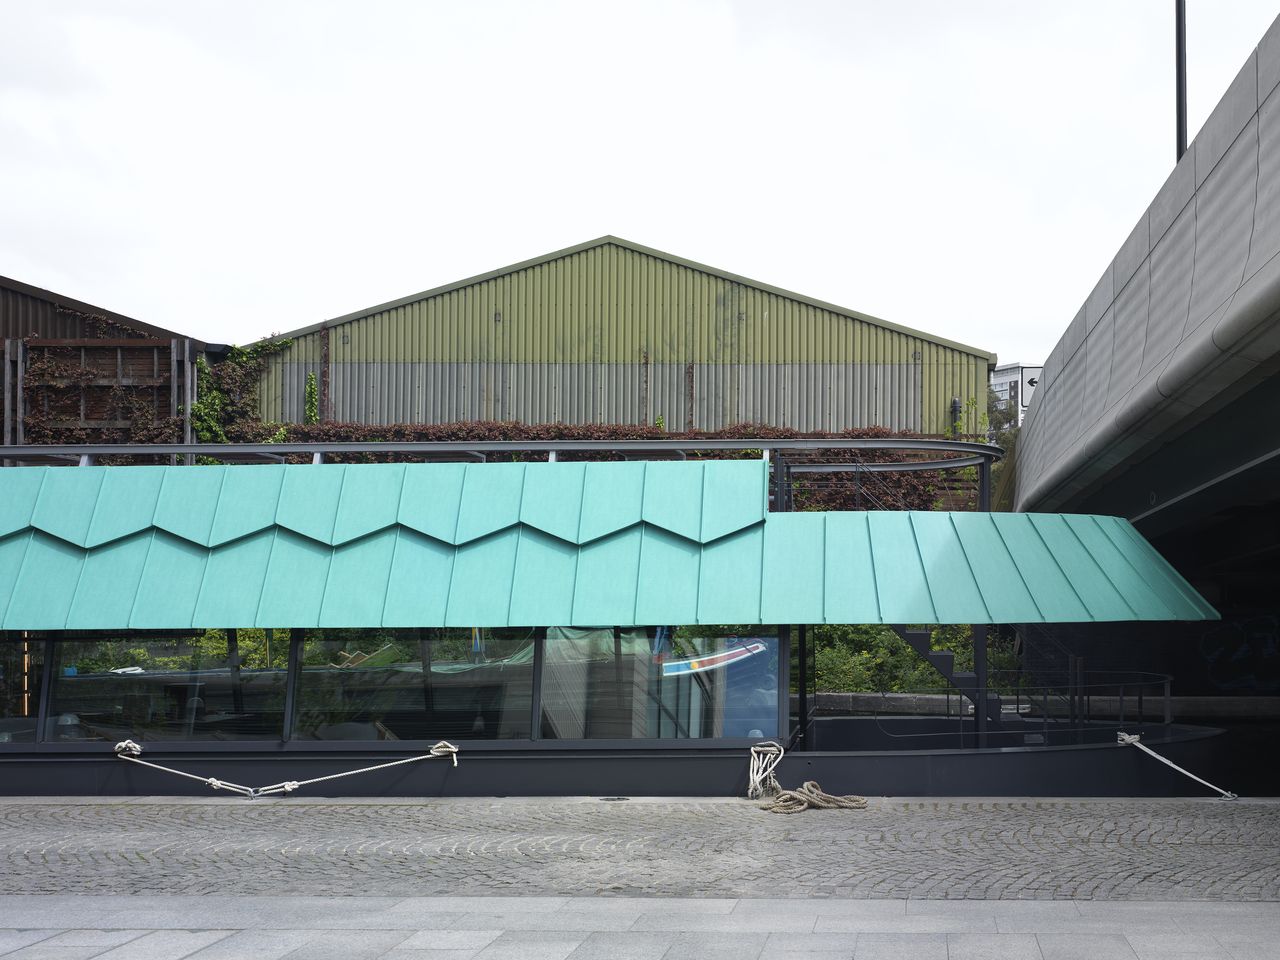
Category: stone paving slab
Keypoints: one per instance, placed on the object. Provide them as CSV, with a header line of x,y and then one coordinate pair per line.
x,y
178,928
1103,850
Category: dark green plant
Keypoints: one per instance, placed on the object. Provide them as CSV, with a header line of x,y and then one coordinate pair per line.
x,y
311,400
227,392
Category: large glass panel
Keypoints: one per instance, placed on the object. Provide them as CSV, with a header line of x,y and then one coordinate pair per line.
x,y
659,682
415,685
21,667
217,685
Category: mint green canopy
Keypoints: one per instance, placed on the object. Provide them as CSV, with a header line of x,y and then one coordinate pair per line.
x,y
632,543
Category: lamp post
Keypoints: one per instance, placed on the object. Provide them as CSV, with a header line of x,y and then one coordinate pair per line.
x,y
1180,71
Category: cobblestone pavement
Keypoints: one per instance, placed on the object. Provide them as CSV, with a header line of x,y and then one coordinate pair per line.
x,y
901,848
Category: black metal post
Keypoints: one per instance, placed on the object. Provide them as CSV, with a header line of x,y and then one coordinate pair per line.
x,y
1071,690
984,485
535,710
802,682
1180,71
979,632
291,680
46,691
784,682
233,663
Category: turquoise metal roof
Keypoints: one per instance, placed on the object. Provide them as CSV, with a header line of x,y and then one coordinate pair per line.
x,y
536,544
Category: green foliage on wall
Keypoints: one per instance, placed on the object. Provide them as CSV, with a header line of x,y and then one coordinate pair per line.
x,y
311,400
227,392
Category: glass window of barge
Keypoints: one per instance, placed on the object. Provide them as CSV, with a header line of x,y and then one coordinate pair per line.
x,y
622,683
450,684
208,685
21,669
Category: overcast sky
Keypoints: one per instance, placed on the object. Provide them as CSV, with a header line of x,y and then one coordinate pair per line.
x,y
232,169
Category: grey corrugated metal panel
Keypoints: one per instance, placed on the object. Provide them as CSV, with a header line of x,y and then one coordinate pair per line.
x,y
1172,268
1099,346
801,396
1224,227
1130,331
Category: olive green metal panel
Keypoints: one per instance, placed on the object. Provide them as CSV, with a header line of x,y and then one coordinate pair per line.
x,y
609,331
647,547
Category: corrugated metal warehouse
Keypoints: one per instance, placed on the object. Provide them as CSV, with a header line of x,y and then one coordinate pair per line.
x,y
81,369
612,332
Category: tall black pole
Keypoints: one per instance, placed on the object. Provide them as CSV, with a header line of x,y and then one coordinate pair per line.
x,y
1180,70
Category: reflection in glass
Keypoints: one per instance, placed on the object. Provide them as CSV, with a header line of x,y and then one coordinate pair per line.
x,y
216,685
21,666
415,685
659,682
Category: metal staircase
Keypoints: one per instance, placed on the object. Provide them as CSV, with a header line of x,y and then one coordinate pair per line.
x,y
965,682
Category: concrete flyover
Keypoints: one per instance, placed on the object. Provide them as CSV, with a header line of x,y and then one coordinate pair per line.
x,y
1181,330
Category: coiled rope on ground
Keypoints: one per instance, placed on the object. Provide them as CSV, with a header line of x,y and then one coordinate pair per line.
x,y
763,785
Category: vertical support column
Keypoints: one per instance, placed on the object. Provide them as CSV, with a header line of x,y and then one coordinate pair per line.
x,y
20,430
984,485
174,380
784,682
188,395
802,684
292,676
8,381
979,631
535,709
46,692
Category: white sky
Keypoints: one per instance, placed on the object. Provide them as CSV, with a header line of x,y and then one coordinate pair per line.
x,y
232,169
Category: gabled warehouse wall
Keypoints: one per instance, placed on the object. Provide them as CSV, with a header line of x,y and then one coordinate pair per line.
x,y
612,332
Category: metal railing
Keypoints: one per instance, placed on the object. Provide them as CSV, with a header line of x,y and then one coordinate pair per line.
x,y
1089,708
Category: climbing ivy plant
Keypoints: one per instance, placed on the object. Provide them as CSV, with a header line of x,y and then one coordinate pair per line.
x,y
227,392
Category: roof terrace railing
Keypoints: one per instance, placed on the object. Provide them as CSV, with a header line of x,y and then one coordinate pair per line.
x,y
968,450
807,455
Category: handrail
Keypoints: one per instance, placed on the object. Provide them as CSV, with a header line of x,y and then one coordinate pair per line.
x,y
87,452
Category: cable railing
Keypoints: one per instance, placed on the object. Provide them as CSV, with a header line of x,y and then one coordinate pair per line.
x,y
1088,710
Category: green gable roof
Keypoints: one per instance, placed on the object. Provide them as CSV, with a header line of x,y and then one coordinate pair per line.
x,y
535,544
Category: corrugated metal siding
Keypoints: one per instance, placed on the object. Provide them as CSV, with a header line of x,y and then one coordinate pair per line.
x,y
24,316
608,334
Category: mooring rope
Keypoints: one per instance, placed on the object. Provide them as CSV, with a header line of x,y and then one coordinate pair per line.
x,y
1133,740
128,750
763,785
761,782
